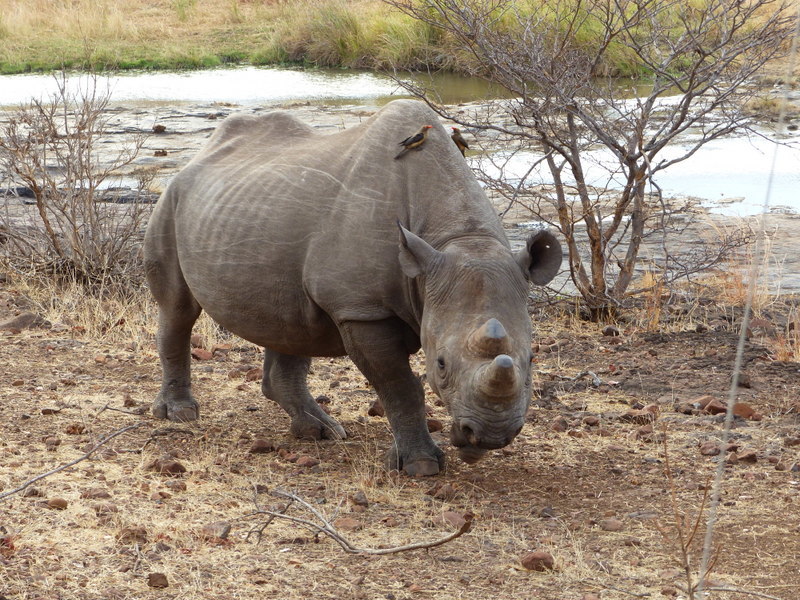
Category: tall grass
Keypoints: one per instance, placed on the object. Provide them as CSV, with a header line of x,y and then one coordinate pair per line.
x,y
42,35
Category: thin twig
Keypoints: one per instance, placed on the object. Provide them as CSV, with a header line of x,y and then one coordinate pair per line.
x,y
616,589
94,449
328,529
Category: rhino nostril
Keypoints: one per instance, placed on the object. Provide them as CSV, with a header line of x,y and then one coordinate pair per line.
x,y
470,434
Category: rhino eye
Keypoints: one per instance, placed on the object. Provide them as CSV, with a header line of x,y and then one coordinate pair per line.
x,y
440,363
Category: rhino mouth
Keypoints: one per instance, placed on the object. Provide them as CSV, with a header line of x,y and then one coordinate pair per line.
x,y
473,439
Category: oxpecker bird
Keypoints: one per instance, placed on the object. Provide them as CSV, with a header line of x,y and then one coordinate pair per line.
x,y
459,140
415,141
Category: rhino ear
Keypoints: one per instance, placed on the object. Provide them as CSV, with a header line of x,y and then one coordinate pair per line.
x,y
416,255
540,260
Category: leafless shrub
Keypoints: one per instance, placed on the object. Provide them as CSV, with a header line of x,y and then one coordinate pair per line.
x,y
57,220
570,125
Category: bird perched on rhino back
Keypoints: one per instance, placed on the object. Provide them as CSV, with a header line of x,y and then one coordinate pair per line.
x,y
415,141
459,140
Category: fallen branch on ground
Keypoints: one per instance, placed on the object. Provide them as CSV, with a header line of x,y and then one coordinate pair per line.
x,y
325,527
94,449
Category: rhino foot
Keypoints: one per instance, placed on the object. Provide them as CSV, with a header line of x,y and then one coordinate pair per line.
x,y
416,464
185,409
317,426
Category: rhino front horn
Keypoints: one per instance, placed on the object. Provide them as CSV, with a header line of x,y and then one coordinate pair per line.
x,y
499,378
489,340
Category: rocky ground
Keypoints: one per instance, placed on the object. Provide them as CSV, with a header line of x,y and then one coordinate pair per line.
x,y
607,468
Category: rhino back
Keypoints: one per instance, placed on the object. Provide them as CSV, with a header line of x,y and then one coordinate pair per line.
x,y
282,232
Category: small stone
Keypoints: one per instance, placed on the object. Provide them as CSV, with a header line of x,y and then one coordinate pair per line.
x,y
165,466
709,448
95,494
748,456
57,503
611,525
435,425
450,518
158,128
639,417
32,492
261,446
198,341
538,561
743,410
359,499
445,492
75,429
157,580
610,331
201,354
669,591
715,407
347,524
254,374
560,425
790,441
390,521
52,442
376,409
591,421
307,461
795,468
218,530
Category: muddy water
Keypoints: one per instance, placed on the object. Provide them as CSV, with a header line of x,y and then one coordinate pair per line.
x,y
249,86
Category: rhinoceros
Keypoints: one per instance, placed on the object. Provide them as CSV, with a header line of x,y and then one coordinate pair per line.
x,y
313,244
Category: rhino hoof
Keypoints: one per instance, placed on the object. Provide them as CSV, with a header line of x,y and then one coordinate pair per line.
x,y
179,411
424,467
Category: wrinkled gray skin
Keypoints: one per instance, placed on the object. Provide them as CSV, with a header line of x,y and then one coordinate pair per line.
x,y
290,239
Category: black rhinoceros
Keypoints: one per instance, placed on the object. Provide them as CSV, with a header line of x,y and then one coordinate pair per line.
x,y
291,239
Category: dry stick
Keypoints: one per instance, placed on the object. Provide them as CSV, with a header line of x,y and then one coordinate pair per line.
x,y
331,531
737,367
94,449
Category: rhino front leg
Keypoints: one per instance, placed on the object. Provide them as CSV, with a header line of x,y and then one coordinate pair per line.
x,y
380,352
284,382
175,401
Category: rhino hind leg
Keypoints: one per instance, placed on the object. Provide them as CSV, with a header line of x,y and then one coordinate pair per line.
x,y
175,401
284,382
380,352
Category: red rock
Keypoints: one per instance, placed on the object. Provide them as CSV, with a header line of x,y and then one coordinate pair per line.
x,y
165,466
218,530
307,461
95,494
376,409
748,456
559,425
709,448
435,425
57,503
715,407
254,374
157,580
640,417
105,509
591,421
201,354
390,521
198,341
702,401
261,446
176,485
347,524
74,429
538,561
359,498
450,518
743,410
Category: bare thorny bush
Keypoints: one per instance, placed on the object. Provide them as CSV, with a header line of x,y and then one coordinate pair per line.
x,y
50,151
572,133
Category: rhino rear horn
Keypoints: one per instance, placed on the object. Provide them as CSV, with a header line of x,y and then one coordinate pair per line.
x,y
489,340
499,379
541,258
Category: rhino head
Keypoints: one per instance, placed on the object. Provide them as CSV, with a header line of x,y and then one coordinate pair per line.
x,y
476,332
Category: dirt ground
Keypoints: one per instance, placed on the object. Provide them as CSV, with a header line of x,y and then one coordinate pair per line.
x,y
589,480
